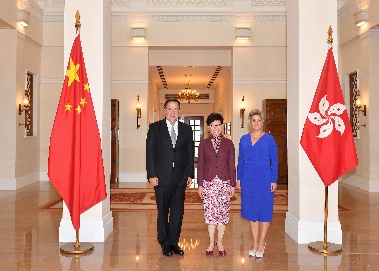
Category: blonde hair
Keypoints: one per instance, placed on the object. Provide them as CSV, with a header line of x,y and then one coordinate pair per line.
x,y
256,112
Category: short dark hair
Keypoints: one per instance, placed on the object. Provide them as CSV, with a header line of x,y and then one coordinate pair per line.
x,y
213,117
171,100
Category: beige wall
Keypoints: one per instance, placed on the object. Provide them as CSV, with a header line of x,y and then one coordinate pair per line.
x,y
372,102
8,104
129,79
21,53
27,151
52,75
346,25
8,14
223,95
358,51
152,109
258,73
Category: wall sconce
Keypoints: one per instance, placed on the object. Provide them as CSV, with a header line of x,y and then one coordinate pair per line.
x,y
361,17
138,111
24,106
358,104
138,33
23,17
242,111
243,33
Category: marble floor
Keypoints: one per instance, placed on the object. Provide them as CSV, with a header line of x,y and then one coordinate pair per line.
x,y
29,239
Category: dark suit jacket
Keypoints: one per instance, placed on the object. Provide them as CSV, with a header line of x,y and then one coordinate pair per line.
x,y
222,163
160,155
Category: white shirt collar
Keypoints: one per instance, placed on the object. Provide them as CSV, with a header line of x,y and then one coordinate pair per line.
x,y
175,126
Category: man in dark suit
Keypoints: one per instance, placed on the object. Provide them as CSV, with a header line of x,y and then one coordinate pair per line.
x,y
170,168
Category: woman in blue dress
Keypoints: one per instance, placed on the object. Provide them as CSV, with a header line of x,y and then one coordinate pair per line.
x,y
257,178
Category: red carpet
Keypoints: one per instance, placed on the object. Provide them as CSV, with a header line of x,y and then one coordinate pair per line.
x,y
142,199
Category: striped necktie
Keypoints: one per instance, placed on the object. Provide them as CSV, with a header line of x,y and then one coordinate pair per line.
x,y
173,135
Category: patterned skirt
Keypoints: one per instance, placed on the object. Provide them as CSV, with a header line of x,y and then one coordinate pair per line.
x,y
216,200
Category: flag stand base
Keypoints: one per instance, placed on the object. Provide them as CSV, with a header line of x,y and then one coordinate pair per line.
x,y
322,248
75,248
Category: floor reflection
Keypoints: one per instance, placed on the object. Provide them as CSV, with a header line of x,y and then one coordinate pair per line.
x,y
30,239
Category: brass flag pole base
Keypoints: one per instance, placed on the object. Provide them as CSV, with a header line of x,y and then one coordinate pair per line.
x,y
76,248
72,248
322,248
325,247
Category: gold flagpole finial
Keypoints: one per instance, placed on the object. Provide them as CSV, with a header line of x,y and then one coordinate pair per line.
x,y
77,23
330,38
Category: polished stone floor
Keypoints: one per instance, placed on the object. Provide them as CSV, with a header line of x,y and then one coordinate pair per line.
x,y
29,239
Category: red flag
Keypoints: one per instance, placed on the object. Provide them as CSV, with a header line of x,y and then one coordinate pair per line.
x,y
327,135
75,158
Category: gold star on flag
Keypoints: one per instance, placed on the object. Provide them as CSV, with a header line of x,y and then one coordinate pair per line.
x,y
72,72
86,87
83,101
78,109
68,107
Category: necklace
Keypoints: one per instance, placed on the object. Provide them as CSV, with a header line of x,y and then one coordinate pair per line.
x,y
256,136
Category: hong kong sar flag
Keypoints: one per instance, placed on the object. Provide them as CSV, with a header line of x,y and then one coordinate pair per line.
x,y
327,135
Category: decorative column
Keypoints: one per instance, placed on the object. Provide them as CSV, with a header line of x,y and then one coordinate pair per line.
x,y
307,33
96,223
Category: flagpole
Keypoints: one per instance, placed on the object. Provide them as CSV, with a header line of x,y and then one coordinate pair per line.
x,y
77,248
326,247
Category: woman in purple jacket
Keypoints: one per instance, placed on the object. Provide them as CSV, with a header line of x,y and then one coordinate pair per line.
x,y
216,177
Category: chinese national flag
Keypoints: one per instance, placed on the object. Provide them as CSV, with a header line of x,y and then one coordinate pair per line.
x,y
327,135
75,158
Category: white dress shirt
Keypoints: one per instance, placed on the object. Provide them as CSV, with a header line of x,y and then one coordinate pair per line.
x,y
169,125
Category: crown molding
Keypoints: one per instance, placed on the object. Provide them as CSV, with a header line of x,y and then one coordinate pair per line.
x,y
195,3
32,7
350,8
211,17
370,32
172,11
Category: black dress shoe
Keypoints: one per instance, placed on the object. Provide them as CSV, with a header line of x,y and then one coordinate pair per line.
x,y
177,250
167,250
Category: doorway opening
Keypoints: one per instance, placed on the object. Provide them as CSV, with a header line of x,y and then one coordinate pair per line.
x,y
197,125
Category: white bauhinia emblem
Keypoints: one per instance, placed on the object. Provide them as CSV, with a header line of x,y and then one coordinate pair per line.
x,y
326,116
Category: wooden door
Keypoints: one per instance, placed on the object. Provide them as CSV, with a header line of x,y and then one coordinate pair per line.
x,y
275,114
114,141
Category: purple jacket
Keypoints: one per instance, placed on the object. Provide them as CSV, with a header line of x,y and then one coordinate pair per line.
x,y
222,163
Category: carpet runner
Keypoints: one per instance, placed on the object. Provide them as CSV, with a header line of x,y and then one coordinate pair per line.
x,y
143,199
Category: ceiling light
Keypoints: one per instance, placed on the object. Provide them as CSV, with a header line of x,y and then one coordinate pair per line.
x,y
23,17
188,94
361,17
243,33
138,33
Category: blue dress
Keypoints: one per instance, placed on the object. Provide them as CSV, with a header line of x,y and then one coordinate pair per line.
x,y
257,169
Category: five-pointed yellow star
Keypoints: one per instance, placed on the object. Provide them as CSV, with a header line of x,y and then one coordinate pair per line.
x,y
78,109
86,87
72,72
68,107
83,101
